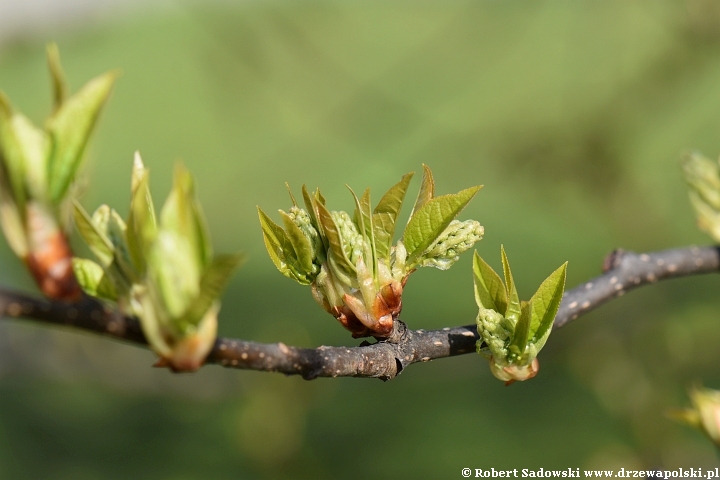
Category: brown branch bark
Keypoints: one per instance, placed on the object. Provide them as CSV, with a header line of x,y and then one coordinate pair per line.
x,y
623,271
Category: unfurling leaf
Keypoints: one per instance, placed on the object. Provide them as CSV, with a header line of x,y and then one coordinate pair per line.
x,y
385,216
332,233
95,238
546,302
93,280
490,292
432,219
60,88
427,190
70,127
513,308
303,249
278,245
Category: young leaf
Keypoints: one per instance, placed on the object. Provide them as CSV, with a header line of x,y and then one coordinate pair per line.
x,y
292,197
12,155
141,225
12,222
311,207
34,143
212,284
546,302
172,272
364,221
93,280
522,330
432,219
385,216
301,244
333,236
95,239
490,292
60,89
427,190
122,264
363,214
182,213
70,127
278,245
513,308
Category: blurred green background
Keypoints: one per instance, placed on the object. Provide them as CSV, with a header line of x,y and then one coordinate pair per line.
x,y
573,115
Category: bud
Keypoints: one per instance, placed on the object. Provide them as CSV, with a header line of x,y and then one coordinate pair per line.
x,y
164,273
703,178
38,168
361,275
512,332
705,414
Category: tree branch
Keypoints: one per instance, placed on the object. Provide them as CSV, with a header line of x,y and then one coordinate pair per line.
x,y
624,271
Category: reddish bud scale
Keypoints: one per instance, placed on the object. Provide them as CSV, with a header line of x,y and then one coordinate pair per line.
x,y
386,308
50,257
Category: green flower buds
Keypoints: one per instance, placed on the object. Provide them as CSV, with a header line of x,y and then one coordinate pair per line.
x,y
355,272
37,170
512,332
458,237
705,413
703,178
162,272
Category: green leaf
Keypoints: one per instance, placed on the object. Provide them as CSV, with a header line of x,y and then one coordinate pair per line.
x,y
34,144
546,302
213,282
292,197
101,218
385,216
60,88
117,233
141,224
522,330
513,308
311,207
490,293
301,245
333,237
12,155
95,238
172,272
182,213
278,246
69,128
319,197
363,215
92,279
12,222
427,190
428,223
364,221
